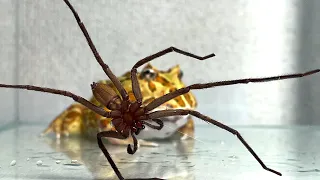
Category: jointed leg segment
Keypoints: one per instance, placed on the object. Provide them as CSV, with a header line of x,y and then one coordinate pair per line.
x,y
158,121
117,135
165,113
157,102
135,84
166,51
96,54
135,145
77,98
111,134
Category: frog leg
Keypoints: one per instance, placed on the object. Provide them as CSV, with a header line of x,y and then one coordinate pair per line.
x,y
186,131
66,123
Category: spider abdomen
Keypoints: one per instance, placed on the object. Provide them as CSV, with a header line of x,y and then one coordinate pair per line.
x,y
106,96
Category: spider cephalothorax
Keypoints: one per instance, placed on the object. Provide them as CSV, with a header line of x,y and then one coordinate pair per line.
x,y
128,117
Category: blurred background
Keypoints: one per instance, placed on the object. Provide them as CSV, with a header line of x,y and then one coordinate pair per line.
x,y
42,45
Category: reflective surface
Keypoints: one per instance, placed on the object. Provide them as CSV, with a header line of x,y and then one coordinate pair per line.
x,y
42,45
214,154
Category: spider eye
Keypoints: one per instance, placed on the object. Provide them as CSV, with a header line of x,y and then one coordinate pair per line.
x,y
148,74
180,75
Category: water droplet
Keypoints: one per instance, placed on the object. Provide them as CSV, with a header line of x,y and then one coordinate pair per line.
x,y
233,157
13,163
58,162
28,159
74,161
39,163
72,164
310,170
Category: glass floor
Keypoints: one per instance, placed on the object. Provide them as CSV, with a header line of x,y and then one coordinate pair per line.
x,y
213,154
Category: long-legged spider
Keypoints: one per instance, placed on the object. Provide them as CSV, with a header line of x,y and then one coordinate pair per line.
x,y
129,118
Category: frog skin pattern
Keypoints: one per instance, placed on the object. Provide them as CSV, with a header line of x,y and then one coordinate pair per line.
x,y
79,120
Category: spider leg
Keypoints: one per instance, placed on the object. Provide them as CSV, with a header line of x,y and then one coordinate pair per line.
x,y
112,134
158,121
157,102
168,50
135,84
77,98
96,54
165,113
135,145
117,135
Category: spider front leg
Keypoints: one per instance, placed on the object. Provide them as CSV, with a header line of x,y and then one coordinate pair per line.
x,y
111,134
165,113
96,54
117,135
157,102
135,84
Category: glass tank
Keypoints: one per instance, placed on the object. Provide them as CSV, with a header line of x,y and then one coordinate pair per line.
x,y
253,43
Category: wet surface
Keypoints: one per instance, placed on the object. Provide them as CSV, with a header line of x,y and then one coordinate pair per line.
x,y
214,154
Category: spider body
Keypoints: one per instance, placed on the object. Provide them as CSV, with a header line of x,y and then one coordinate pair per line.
x,y
129,117
126,114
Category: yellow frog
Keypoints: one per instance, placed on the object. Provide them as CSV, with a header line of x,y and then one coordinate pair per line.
x,y
154,83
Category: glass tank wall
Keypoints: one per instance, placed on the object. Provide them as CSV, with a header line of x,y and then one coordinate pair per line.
x,y
42,45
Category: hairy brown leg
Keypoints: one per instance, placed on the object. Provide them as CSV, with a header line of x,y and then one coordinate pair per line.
x,y
112,134
165,113
157,102
117,135
158,121
168,50
135,84
96,54
77,98
135,145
